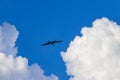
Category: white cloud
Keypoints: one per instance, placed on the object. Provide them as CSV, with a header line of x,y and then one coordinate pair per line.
x,y
95,55
14,67
8,36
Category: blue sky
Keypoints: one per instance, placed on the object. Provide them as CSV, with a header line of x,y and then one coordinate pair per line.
x,y
41,20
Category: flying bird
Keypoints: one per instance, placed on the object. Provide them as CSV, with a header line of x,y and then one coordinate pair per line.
x,y
52,42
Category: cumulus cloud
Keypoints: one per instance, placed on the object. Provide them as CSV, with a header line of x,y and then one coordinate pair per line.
x,y
14,67
96,54
8,36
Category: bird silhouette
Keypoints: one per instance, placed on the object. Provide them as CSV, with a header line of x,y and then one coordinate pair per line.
x,y
52,42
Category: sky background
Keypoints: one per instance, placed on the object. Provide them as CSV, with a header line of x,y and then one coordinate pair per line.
x,y
41,20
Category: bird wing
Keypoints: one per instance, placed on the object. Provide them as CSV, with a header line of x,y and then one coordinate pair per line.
x,y
46,43
52,42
